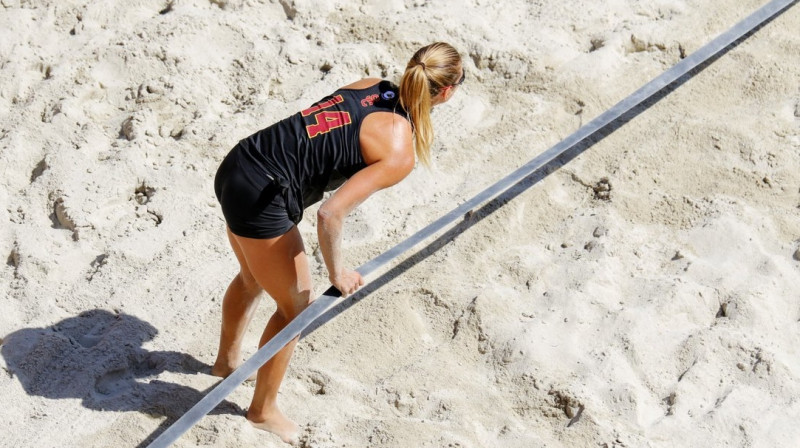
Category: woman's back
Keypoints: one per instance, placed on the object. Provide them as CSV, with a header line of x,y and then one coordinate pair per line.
x,y
318,148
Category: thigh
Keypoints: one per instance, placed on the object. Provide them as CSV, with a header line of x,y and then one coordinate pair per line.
x,y
244,269
280,266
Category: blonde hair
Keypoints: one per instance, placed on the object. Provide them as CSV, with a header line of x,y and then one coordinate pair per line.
x,y
432,68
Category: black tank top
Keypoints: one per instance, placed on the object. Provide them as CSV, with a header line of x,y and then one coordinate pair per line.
x,y
317,149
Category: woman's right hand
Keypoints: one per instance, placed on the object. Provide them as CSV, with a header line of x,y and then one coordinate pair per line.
x,y
347,281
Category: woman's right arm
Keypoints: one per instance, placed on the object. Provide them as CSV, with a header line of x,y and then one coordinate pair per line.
x,y
388,151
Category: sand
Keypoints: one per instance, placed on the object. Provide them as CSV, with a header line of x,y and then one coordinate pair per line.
x,y
643,295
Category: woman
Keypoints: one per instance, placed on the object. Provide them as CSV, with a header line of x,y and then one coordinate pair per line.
x,y
361,139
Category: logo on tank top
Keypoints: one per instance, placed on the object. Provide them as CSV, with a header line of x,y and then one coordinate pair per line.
x,y
387,95
369,100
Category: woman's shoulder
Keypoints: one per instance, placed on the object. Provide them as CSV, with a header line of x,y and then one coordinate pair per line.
x,y
382,95
362,84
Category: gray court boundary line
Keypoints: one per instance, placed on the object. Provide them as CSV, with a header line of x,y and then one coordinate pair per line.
x,y
330,298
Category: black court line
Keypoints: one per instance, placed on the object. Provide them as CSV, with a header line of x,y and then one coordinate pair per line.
x,y
330,304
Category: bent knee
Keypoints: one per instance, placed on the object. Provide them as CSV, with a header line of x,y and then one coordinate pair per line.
x,y
248,281
294,304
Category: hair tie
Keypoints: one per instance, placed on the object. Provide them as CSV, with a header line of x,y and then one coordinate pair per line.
x,y
423,65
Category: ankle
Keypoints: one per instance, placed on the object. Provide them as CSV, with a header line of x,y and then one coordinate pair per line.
x,y
263,413
223,367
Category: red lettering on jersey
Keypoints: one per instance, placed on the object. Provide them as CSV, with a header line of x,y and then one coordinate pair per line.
x,y
324,105
325,121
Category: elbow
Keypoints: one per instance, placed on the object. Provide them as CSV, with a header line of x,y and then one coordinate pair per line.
x,y
326,216
331,215
323,215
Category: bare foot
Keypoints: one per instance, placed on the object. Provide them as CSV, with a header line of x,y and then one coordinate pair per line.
x,y
223,371
276,423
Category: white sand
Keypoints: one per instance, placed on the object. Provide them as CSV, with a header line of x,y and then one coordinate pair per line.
x,y
663,316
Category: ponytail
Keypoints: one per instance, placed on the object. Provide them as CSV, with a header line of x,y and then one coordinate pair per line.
x,y
430,69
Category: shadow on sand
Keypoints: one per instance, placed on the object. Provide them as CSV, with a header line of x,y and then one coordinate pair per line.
x,y
98,358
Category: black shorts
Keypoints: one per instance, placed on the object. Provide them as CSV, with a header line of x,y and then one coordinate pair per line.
x,y
253,204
